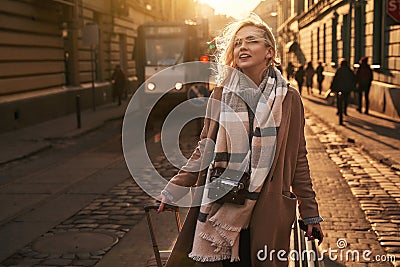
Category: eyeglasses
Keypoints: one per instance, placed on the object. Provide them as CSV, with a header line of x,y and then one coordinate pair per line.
x,y
248,40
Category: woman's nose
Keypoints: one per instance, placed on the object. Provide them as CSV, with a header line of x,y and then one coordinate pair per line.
x,y
243,45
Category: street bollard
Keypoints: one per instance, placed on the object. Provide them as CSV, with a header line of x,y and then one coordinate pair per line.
x,y
340,107
78,111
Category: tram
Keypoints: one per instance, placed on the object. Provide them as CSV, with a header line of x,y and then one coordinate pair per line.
x,y
162,45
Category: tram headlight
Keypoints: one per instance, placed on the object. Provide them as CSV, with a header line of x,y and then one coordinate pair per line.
x,y
151,86
178,86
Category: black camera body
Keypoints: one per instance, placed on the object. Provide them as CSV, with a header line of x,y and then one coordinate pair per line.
x,y
228,186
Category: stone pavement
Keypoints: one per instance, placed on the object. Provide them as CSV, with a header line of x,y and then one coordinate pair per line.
x,y
379,136
97,206
356,211
27,141
345,226
365,152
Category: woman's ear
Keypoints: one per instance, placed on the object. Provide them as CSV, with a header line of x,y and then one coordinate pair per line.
x,y
270,53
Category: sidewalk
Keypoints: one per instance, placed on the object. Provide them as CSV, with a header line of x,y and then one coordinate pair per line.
x,y
375,134
28,141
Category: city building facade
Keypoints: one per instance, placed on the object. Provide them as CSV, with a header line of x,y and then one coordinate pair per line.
x,y
268,11
328,31
53,50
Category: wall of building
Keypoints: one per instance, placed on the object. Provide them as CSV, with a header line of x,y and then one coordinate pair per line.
x,y
44,53
31,47
355,37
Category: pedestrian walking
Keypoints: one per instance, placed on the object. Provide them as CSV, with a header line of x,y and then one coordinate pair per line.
x,y
342,84
320,76
364,77
290,70
299,77
118,83
252,96
309,77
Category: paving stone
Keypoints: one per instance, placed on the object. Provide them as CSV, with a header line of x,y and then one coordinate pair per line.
x,y
40,256
98,253
390,243
28,262
85,262
83,256
57,262
68,256
392,249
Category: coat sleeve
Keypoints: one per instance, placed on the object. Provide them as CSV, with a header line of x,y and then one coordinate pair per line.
x,y
198,162
302,184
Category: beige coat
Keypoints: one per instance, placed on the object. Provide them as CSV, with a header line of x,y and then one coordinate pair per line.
x,y
275,210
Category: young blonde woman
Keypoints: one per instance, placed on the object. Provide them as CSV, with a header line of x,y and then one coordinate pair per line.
x,y
272,149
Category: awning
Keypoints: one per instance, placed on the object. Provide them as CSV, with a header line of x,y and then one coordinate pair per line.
x,y
294,47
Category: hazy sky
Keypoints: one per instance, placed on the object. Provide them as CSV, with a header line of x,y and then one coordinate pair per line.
x,y
234,8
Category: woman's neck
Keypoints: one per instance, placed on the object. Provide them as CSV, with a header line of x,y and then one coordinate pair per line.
x,y
256,75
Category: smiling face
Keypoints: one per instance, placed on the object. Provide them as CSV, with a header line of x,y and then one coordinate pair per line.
x,y
250,51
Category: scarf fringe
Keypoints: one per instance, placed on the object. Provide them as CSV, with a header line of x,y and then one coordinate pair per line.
x,y
217,243
225,237
233,259
209,258
224,225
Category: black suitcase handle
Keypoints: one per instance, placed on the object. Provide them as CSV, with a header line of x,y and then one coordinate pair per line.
x,y
169,208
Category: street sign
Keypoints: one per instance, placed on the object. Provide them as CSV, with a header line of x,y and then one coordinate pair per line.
x,y
393,9
90,35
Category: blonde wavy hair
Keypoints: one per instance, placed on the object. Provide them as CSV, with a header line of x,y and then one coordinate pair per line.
x,y
225,42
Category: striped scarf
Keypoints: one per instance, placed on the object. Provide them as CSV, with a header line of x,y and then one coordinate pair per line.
x,y
218,226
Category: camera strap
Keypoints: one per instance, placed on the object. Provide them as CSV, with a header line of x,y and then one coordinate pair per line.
x,y
251,115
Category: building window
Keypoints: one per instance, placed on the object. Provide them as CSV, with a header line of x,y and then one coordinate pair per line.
x,y
346,36
312,45
379,33
318,43
359,32
324,43
334,40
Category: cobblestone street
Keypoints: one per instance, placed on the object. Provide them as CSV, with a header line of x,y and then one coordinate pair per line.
x,y
358,199
348,226
112,215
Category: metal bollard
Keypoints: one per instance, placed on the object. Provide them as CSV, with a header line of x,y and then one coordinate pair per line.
x,y
78,111
340,107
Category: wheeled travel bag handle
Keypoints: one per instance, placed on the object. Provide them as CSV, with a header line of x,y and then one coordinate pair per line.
x,y
169,208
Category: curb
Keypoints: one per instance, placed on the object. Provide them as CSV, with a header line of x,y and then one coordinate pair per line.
x,y
26,155
48,145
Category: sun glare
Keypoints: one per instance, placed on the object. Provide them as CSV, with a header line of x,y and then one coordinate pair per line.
x,y
233,8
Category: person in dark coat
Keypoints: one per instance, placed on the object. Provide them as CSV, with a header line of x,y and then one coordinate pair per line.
x,y
364,78
299,77
320,76
343,82
119,82
309,77
290,70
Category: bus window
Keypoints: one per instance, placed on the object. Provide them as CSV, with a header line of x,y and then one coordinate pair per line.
x,y
164,52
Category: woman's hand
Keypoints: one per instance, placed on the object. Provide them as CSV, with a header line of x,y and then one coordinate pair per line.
x,y
317,226
162,204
